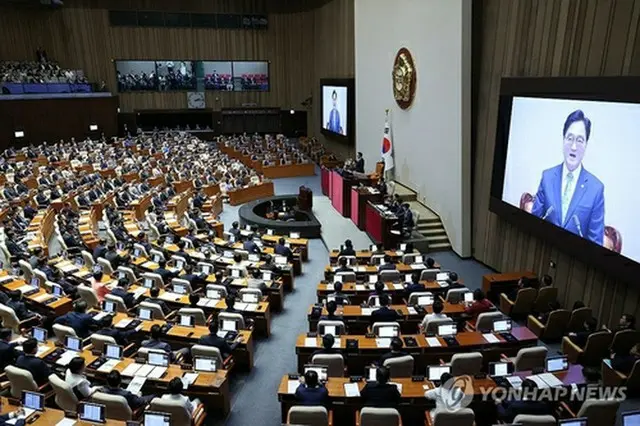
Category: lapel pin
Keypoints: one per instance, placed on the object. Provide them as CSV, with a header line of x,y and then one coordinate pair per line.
x,y
582,186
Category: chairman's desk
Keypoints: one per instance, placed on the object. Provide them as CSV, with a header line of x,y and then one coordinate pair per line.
x,y
211,388
358,319
51,416
359,293
369,352
494,284
412,393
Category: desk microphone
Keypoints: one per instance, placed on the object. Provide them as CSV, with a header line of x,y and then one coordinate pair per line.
x,y
547,213
577,222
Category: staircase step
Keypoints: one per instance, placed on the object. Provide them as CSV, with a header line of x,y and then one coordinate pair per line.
x,y
437,238
429,223
432,231
439,246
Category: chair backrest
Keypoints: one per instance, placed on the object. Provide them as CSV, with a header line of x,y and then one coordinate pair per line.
x,y
578,318
624,340
432,325
530,358
202,265
466,363
351,260
179,414
187,243
178,259
455,295
156,310
524,301
386,276
461,417
533,420
88,295
373,416
116,406
409,258
157,279
429,274
375,328
106,265
241,272
156,253
186,284
232,316
556,324
62,331
99,340
208,352
333,362
27,271
416,295
65,398
197,313
141,249
88,259
347,277
41,275
119,301
596,349
144,352
222,290
339,325
255,291
111,236
485,320
9,318
21,380
308,415
401,366
377,259
633,379
599,411
131,276
546,296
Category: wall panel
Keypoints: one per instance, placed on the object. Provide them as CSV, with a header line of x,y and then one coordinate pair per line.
x,y
536,38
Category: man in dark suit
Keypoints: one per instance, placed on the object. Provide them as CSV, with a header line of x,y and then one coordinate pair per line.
x,y
113,388
380,393
235,231
181,246
347,250
121,291
327,346
580,338
166,274
120,335
387,265
508,410
359,164
196,280
251,246
338,296
384,314
310,392
396,351
212,339
156,341
283,250
18,306
154,292
569,196
78,319
114,258
8,352
15,249
415,285
343,266
100,250
37,367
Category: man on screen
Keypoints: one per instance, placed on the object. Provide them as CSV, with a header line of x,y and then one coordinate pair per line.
x,y
569,196
334,117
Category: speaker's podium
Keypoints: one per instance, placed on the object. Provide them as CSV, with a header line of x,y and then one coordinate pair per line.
x,y
305,199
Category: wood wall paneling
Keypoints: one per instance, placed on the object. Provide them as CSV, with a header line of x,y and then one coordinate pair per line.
x,y
535,38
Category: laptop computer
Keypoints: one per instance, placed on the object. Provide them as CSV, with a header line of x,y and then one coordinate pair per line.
x,y
370,374
90,412
503,328
109,306
152,418
249,298
630,418
147,282
425,300
33,400
388,331
144,314
556,363
229,325
40,334
204,364
160,359
582,421
73,343
113,351
435,372
187,320
56,290
179,289
500,369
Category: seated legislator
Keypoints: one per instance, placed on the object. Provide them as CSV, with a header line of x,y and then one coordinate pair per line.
x,y
166,274
453,281
212,339
30,362
437,307
384,313
256,281
387,264
508,410
251,246
523,282
623,362
121,336
98,286
181,253
342,266
235,230
238,264
431,263
282,250
114,381
310,391
174,393
447,398
8,351
331,308
347,250
415,285
155,341
396,351
79,320
327,346
589,327
380,393
338,296
19,307
154,292
479,305
76,378
122,291
196,280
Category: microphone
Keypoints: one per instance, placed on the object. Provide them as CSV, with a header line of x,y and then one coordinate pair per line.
x,y
577,223
547,213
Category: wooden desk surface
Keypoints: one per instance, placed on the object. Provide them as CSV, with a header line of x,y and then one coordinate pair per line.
x,y
365,289
290,170
490,279
355,311
243,195
402,268
51,416
59,307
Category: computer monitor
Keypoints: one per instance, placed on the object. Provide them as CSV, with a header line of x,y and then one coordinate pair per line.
x,y
35,282
156,258
40,334
370,374
56,290
157,419
403,247
269,231
33,400
136,252
187,320
90,412
213,294
204,364
229,325
294,235
556,363
73,343
468,297
235,273
249,298
227,253
387,331
442,276
206,269
373,279
320,369
254,257
148,282
113,351
266,275
631,418
109,306
425,300
179,264
119,246
330,329
582,421
280,260
447,330
500,369
502,325
179,289
79,262
418,259
435,372
160,359
144,313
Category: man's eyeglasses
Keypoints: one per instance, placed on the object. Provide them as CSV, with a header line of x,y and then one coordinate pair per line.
x,y
569,138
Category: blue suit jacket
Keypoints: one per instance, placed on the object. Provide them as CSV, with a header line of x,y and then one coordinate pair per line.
x,y
585,215
334,121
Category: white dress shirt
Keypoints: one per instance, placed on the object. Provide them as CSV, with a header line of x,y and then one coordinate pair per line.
x,y
444,398
79,382
429,317
186,402
571,189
